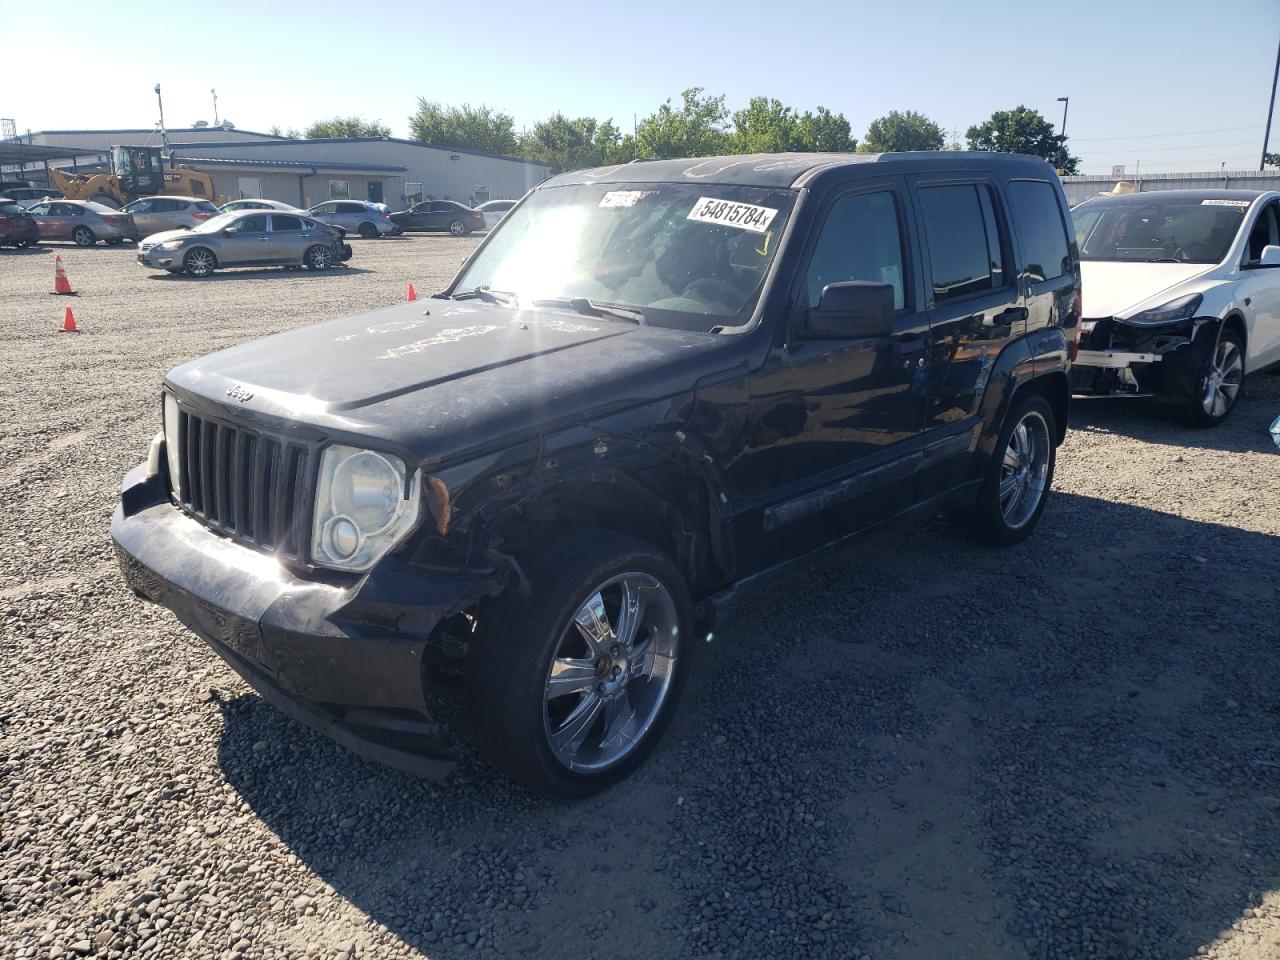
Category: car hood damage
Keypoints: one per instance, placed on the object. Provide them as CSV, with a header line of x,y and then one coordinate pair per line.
x,y
437,376
1112,289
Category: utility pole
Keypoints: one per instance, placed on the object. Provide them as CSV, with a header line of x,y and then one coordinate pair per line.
x,y
215,105
1062,131
1271,108
164,136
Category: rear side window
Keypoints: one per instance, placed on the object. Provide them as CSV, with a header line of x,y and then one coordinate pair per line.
x,y
1044,235
964,245
860,240
285,222
351,208
167,206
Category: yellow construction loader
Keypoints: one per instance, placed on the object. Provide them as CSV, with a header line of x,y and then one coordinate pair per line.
x,y
135,172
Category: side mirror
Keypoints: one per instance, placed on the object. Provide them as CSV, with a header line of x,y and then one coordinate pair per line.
x,y
1270,256
852,309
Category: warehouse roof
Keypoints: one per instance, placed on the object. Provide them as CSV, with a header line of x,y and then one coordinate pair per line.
x,y
288,164
13,152
285,142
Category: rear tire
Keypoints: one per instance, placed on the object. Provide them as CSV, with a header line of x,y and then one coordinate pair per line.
x,y
83,237
199,262
114,241
368,231
1019,476
318,258
622,688
459,229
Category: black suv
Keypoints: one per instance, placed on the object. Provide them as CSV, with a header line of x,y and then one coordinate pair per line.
x,y
651,384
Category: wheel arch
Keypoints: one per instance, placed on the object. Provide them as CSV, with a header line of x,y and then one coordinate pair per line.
x,y
1056,389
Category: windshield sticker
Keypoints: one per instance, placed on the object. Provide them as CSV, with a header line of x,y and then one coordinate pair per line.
x,y
623,198
1225,203
728,213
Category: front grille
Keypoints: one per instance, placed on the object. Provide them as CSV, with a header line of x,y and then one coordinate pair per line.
x,y
247,485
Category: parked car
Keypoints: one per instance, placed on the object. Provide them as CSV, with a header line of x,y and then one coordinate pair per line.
x,y
17,227
27,197
153,214
1181,296
246,238
449,215
257,204
495,210
355,216
659,382
83,222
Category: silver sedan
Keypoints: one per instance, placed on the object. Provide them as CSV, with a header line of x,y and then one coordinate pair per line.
x,y
245,238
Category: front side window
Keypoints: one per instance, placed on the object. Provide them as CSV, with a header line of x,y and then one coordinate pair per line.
x,y
1158,230
860,240
138,206
692,256
339,189
963,256
40,209
254,223
1044,235
1265,233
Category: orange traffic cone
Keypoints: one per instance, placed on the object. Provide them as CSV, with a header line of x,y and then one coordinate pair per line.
x,y
412,296
61,285
69,322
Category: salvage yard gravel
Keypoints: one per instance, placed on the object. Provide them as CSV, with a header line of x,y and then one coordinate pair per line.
x,y
917,748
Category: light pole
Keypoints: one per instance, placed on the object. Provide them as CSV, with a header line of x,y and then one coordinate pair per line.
x,y
215,105
1062,131
164,136
1271,108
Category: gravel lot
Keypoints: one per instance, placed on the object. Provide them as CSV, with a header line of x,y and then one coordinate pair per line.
x,y
919,749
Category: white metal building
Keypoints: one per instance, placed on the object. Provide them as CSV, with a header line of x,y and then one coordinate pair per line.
x,y
1082,188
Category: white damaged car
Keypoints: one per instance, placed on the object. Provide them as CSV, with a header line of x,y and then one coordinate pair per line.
x,y
1181,296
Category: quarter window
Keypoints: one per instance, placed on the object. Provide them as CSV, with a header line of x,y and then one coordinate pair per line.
x,y
964,247
339,189
860,240
1044,235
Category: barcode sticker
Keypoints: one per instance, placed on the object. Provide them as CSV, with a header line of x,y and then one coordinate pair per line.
x,y
622,198
729,213
1225,203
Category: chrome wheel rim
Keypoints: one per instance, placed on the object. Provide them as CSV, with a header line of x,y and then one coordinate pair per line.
x,y
1222,385
611,672
456,228
199,262
1024,473
319,258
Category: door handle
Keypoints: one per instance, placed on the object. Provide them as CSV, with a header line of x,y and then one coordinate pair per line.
x,y
1012,315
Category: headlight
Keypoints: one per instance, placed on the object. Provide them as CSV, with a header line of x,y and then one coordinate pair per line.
x,y
172,451
170,245
1184,308
362,509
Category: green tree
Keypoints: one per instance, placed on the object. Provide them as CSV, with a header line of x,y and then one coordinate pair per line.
x,y
1022,130
765,126
473,128
276,130
695,128
1271,159
563,143
347,127
900,131
825,132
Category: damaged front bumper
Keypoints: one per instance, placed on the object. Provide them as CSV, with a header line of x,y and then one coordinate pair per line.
x,y
1117,359
348,656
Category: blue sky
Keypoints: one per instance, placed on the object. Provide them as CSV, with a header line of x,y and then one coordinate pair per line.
x,y
1174,86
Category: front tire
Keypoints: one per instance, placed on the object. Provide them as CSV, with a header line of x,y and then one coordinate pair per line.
x,y
318,258
1218,380
199,262
1019,476
83,237
570,688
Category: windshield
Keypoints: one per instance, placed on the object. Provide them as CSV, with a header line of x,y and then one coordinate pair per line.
x,y
214,224
692,256
1159,231
11,208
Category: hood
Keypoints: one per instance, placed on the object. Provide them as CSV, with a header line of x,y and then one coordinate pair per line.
x,y
1112,289
164,235
438,376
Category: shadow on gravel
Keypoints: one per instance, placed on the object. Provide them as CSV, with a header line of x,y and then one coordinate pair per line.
x,y
920,748
266,273
1244,431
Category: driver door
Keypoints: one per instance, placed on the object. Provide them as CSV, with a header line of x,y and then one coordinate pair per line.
x,y
1259,287
246,241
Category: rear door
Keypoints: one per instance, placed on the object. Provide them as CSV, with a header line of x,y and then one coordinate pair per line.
x,y
442,213
1044,233
289,238
974,307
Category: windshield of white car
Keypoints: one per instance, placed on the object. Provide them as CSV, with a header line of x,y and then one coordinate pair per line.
x,y
691,256
1158,231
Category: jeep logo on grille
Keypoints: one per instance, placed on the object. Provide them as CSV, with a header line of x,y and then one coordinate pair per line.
x,y
237,392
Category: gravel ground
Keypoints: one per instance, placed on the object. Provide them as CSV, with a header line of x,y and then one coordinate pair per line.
x,y
919,749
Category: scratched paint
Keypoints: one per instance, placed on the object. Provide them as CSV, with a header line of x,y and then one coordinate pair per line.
x,y
451,335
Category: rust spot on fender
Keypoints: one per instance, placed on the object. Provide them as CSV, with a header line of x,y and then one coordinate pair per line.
x,y
438,501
